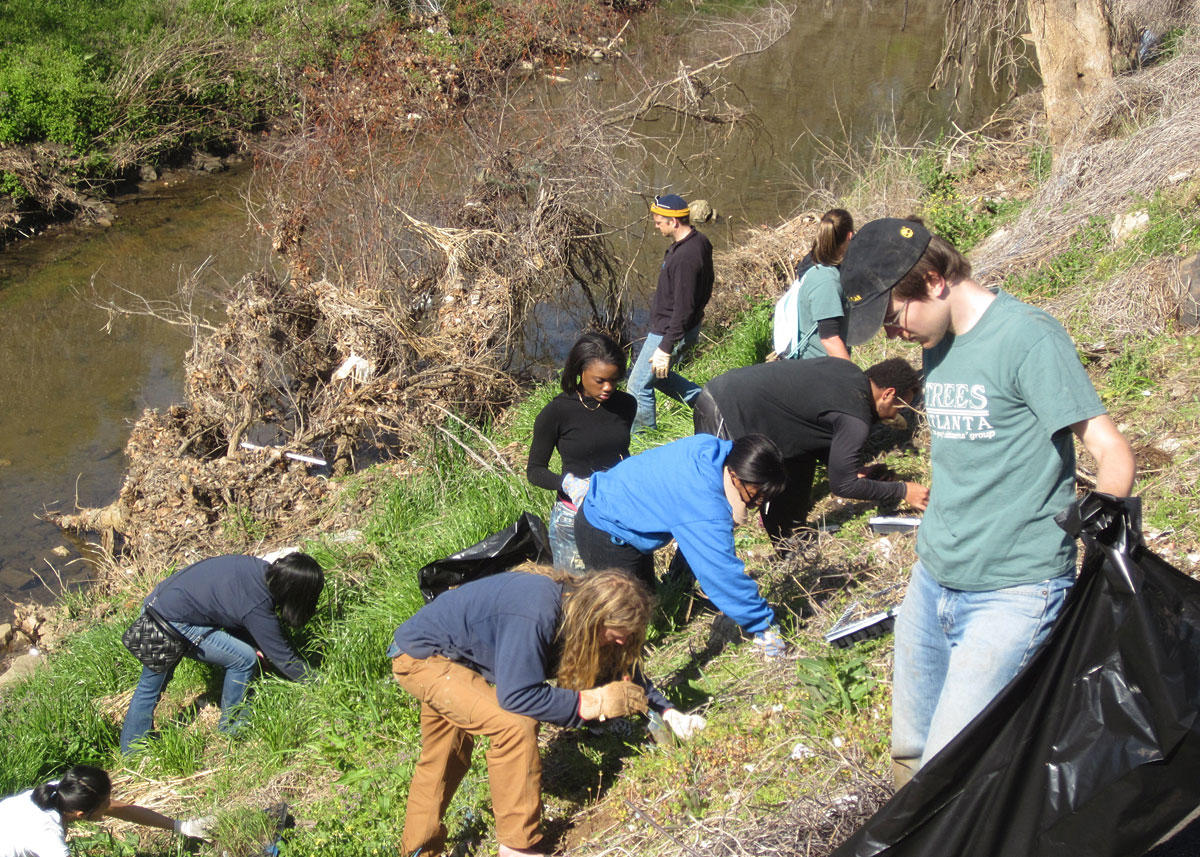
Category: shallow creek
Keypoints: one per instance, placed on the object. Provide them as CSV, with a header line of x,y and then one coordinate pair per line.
x,y
70,388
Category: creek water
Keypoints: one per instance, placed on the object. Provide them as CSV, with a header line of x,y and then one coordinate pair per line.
x,y
70,388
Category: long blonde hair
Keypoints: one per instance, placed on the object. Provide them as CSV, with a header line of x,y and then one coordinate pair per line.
x,y
603,599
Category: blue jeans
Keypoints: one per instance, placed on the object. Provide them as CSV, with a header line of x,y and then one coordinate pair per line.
x,y
562,539
642,382
214,646
955,651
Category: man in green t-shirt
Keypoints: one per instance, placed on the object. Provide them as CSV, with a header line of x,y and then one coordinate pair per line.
x,y
1005,396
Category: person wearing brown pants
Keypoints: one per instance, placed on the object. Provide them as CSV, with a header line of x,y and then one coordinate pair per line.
x,y
479,658
456,705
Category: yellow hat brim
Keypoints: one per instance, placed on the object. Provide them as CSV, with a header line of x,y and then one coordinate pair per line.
x,y
670,212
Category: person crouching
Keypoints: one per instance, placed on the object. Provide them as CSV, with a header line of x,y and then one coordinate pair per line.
x,y
480,659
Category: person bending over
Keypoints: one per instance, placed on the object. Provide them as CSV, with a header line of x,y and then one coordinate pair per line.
x,y
814,410
480,659
694,490
218,604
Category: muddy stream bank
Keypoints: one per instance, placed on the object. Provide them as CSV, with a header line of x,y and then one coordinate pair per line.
x,y
70,389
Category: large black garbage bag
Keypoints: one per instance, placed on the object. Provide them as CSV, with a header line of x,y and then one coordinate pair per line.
x,y
525,540
1094,748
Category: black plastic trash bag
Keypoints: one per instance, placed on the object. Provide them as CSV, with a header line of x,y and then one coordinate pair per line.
x,y
525,540
1094,748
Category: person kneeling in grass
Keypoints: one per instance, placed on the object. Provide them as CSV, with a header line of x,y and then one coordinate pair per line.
x,y
480,659
34,822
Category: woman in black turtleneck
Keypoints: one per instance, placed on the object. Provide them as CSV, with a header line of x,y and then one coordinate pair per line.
x,y
588,423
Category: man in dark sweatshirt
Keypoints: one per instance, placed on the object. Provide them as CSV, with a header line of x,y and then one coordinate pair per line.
x,y
815,410
685,284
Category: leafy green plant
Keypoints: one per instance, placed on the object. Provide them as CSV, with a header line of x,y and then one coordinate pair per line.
x,y
239,525
961,221
1130,374
12,186
837,684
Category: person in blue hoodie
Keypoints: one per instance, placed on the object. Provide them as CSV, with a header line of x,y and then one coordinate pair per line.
x,y
694,490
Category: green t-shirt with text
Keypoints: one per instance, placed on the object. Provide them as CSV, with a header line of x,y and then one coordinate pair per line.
x,y
1000,400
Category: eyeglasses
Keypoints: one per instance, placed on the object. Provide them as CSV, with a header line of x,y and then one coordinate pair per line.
x,y
895,318
752,500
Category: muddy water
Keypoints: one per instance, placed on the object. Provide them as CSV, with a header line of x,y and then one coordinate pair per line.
x,y
69,389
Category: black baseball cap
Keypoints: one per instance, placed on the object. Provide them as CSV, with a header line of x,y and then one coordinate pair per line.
x,y
878,256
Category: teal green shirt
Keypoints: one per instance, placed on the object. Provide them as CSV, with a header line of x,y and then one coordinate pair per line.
x,y
1000,400
820,298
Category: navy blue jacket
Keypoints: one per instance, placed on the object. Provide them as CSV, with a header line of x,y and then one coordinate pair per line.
x,y
503,626
229,592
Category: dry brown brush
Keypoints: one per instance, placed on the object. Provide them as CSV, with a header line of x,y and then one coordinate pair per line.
x,y
1144,137
413,249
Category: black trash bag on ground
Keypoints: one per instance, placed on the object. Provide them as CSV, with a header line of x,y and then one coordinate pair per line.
x,y
526,539
1094,748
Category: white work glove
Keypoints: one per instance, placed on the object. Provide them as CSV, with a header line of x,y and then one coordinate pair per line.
x,y
683,725
575,487
770,643
196,828
660,362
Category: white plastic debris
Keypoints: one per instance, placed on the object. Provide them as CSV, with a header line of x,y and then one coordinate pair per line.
x,y
801,751
355,367
279,552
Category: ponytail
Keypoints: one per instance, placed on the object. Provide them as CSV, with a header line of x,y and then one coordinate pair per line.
x,y
45,796
82,788
833,230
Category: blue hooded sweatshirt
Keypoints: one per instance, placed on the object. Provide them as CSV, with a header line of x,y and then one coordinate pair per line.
x,y
677,491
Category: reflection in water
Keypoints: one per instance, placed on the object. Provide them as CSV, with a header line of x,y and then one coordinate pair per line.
x,y
69,390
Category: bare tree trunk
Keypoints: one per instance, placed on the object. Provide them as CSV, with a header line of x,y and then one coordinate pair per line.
x,y
1073,49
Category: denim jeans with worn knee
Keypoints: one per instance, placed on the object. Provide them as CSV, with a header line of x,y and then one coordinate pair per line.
x,y
213,646
642,382
955,650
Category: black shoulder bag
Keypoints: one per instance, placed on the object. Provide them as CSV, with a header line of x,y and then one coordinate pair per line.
x,y
155,642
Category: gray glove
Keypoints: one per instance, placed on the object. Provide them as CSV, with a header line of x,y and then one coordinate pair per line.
x,y
196,828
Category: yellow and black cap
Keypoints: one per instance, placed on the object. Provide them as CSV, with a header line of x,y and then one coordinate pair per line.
x,y
878,256
669,205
